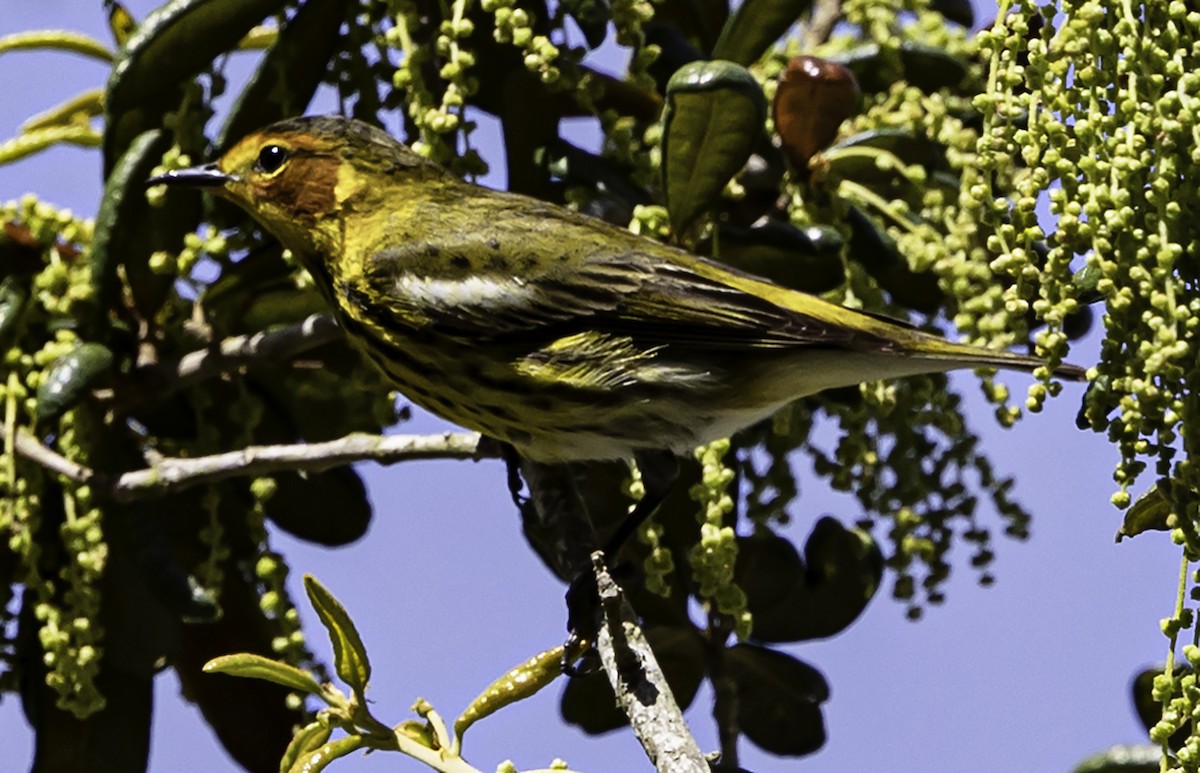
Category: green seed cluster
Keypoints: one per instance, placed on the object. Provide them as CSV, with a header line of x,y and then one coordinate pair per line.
x,y
1092,108
659,564
713,558
71,634
271,571
629,19
905,453
441,121
515,26
61,567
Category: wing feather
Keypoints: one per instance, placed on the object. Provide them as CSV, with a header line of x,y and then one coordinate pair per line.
x,y
576,274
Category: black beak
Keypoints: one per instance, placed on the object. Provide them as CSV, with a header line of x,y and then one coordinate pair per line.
x,y
205,176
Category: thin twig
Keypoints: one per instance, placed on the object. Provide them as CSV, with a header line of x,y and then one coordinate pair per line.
x,y
230,354
169,475
825,16
27,445
272,345
641,689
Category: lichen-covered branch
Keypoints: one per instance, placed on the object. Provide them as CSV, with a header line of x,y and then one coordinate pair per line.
x,y
641,689
228,355
170,475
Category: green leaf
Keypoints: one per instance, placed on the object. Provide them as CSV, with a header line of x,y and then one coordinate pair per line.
x,y
869,157
1149,706
778,699
56,40
70,378
1126,758
318,760
121,225
515,685
289,73
714,118
841,574
957,11
302,506
14,298
349,655
756,25
1151,512
929,68
806,259
877,252
306,740
592,16
253,666
1086,284
174,43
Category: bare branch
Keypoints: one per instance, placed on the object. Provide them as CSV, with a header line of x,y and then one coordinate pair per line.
x,y
156,381
825,16
641,688
28,446
273,345
169,475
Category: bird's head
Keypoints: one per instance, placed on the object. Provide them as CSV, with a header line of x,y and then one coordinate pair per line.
x,y
300,178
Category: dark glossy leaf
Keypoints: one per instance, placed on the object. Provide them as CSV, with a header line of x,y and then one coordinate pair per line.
x,y
289,73
769,570
1149,710
675,51
714,117
1085,283
579,167
876,251
349,654
329,508
250,717
756,25
806,259
1150,512
930,68
779,699
70,378
129,230
812,100
172,44
592,16
1078,323
863,157
14,297
844,567
927,67
957,11
589,702
258,293
699,21
327,393
1146,758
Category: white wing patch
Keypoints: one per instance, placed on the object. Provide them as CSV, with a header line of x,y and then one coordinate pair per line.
x,y
486,293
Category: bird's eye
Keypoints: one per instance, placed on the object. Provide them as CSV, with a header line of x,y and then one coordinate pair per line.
x,y
270,159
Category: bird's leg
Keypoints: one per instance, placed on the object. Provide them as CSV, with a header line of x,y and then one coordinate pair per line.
x,y
659,470
512,464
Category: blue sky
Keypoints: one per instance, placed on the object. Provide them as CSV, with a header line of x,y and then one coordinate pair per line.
x,y
1030,674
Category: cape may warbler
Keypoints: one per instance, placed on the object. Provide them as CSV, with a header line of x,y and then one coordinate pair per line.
x,y
563,335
